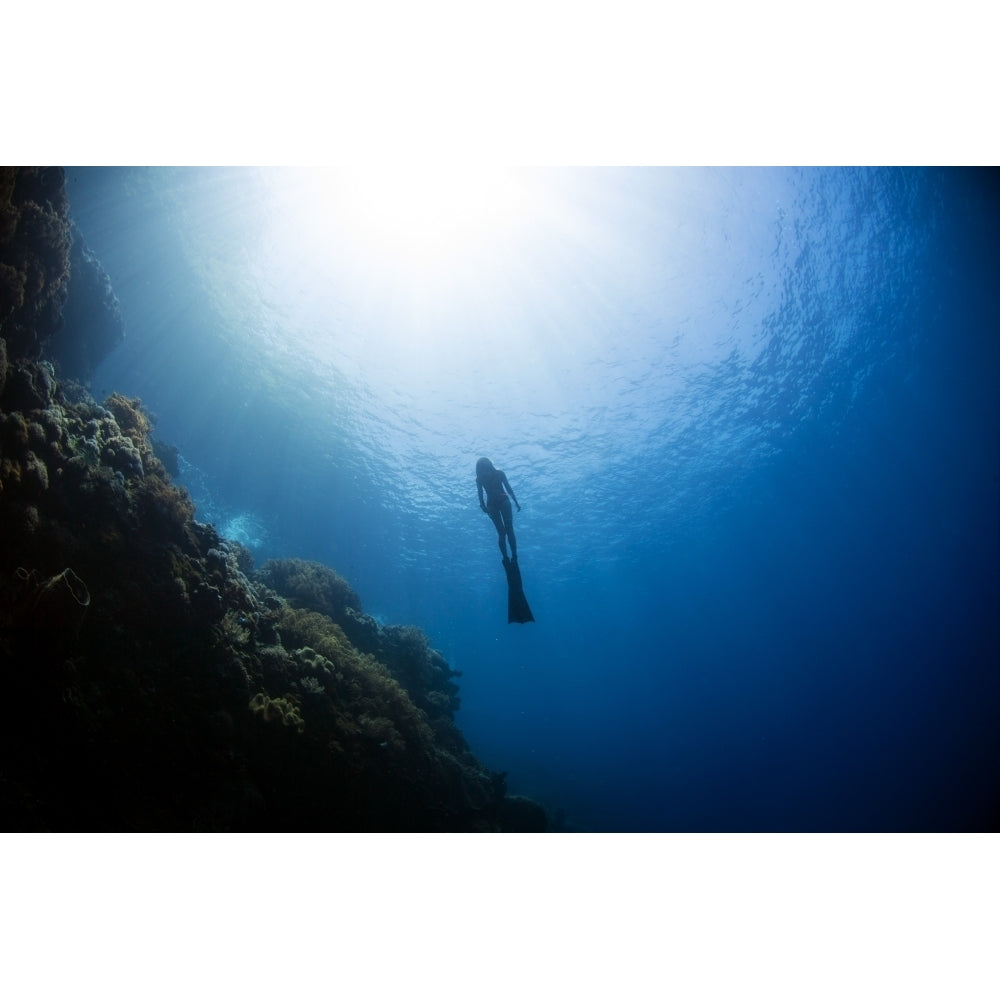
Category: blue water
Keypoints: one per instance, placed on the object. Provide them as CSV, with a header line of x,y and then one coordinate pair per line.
x,y
752,418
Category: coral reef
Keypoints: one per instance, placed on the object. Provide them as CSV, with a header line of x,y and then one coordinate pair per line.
x,y
35,243
404,650
311,585
157,682
164,685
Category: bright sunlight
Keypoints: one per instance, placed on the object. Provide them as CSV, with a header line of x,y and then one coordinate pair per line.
x,y
422,217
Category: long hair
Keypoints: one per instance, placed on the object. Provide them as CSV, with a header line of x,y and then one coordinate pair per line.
x,y
483,468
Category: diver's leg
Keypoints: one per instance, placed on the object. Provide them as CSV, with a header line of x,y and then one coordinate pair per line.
x,y
501,531
508,520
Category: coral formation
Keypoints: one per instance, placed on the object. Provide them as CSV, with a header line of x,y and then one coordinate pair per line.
x,y
311,585
277,710
163,684
404,650
35,243
178,689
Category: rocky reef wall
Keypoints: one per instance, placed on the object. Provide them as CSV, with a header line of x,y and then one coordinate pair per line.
x,y
154,680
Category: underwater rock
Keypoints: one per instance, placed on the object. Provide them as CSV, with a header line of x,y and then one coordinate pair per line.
x,y
363,630
34,475
35,243
28,387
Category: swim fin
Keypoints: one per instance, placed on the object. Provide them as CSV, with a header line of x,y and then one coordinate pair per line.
x,y
517,603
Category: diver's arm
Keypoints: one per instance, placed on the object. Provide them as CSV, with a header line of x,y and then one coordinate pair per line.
x,y
479,490
503,479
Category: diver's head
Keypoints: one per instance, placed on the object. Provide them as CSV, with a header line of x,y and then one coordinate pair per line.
x,y
483,467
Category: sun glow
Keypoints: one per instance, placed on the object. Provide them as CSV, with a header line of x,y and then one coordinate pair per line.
x,y
425,216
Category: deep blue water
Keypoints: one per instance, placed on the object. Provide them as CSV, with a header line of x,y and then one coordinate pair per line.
x,y
752,417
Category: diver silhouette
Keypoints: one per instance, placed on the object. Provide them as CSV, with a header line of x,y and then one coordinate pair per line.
x,y
494,483
498,492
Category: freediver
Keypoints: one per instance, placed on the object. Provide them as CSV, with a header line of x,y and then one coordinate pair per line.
x,y
494,484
